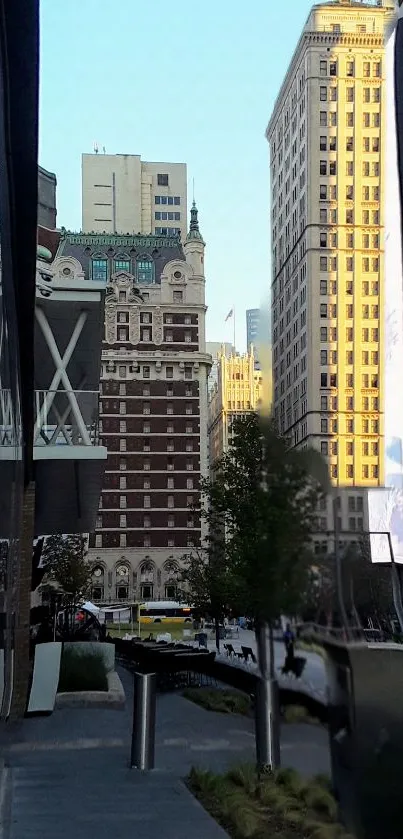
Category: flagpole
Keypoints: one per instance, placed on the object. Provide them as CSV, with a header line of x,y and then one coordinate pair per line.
x,y
233,315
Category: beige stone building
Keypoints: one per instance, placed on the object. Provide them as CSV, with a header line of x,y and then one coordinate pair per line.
x,y
326,137
121,193
236,391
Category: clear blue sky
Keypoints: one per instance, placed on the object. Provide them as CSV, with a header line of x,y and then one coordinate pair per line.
x,y
183,81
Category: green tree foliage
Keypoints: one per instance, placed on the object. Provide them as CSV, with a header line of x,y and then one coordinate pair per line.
x,y
263,500
65,564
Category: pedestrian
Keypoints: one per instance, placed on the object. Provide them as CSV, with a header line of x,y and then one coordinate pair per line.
x,y
289,640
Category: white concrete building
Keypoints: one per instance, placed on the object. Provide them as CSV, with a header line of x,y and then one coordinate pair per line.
x,y
121,193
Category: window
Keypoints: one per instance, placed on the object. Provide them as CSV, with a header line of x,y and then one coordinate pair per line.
x,y
323,403
169,372
349,193
123,502
177,296
145,271
98,540
323,94
376,69
323,379
170,483
332,167
122,445
365,169
170,501
322,167
188,371
349,143
349,263
146,372
323,68
323,310
323,333
375,144
350,68
366,71
99,272
122,427
333,68
122,520
323,357
122,371
188,337
323,240
323,286
169,335
365,193
146,428
122,465
122,265
323,192
323,118
323,143
162,180
349,119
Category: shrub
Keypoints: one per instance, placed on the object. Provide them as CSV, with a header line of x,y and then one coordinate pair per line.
x,y
80,670
298,713
223,701
281,805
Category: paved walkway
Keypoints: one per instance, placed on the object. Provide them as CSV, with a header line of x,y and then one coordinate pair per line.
x,y
67,777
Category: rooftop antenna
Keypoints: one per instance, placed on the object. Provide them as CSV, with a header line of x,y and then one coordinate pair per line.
x,y
96,149
193,190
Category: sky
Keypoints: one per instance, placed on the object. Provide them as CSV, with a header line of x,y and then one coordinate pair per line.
x,y
191,82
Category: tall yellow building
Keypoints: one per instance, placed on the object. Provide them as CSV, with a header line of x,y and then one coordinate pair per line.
x,y
326,137
236,391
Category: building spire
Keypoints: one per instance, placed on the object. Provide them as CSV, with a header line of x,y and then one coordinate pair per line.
x,y
194,232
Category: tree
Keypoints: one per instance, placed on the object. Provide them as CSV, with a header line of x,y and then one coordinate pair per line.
x,y
63,558
209,583
266,495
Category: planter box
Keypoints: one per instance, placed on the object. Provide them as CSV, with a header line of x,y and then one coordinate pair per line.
x,y
114,697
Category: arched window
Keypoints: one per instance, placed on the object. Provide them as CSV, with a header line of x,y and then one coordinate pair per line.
x,y
121,263
147,571
171,573
99,268
97,583
145,270
122,582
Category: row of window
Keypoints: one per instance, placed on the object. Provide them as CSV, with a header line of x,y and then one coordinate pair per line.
x,y
367,471
330,334
167,199
147,482
331,403
146,464
353,525
167,216
167,231
330,286
331,426
146,336
141,269
355,504
369,119
329,263
368,242
330,94
146,408
146,429
330,356
146,590
330,380
330,216
329,191
122,591
147,503
145,392
190,522
369,170
369,144
369,68
329,310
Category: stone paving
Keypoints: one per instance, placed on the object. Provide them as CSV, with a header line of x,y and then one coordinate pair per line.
x,y
67,775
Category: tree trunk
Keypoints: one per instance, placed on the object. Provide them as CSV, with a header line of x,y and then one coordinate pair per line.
x,y
217,633
267,717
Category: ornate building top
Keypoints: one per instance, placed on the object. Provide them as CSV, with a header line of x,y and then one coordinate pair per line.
x,y
194,232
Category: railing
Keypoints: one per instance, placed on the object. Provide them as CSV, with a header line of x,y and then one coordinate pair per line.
x,y
355,633
66,418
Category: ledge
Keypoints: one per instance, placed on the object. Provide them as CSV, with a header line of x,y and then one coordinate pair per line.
x,y
114,697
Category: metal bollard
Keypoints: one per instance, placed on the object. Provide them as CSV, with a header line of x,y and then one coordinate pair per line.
x,y
143,732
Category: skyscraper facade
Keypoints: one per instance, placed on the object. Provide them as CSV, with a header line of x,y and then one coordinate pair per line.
x,y
326,136
236,392
121,193
153,409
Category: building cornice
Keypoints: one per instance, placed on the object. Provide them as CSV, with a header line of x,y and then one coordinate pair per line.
x,y
347,39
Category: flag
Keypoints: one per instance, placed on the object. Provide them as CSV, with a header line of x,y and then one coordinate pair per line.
x,y
229,315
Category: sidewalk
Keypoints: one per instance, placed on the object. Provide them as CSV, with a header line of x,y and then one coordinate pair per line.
x,y
67,775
